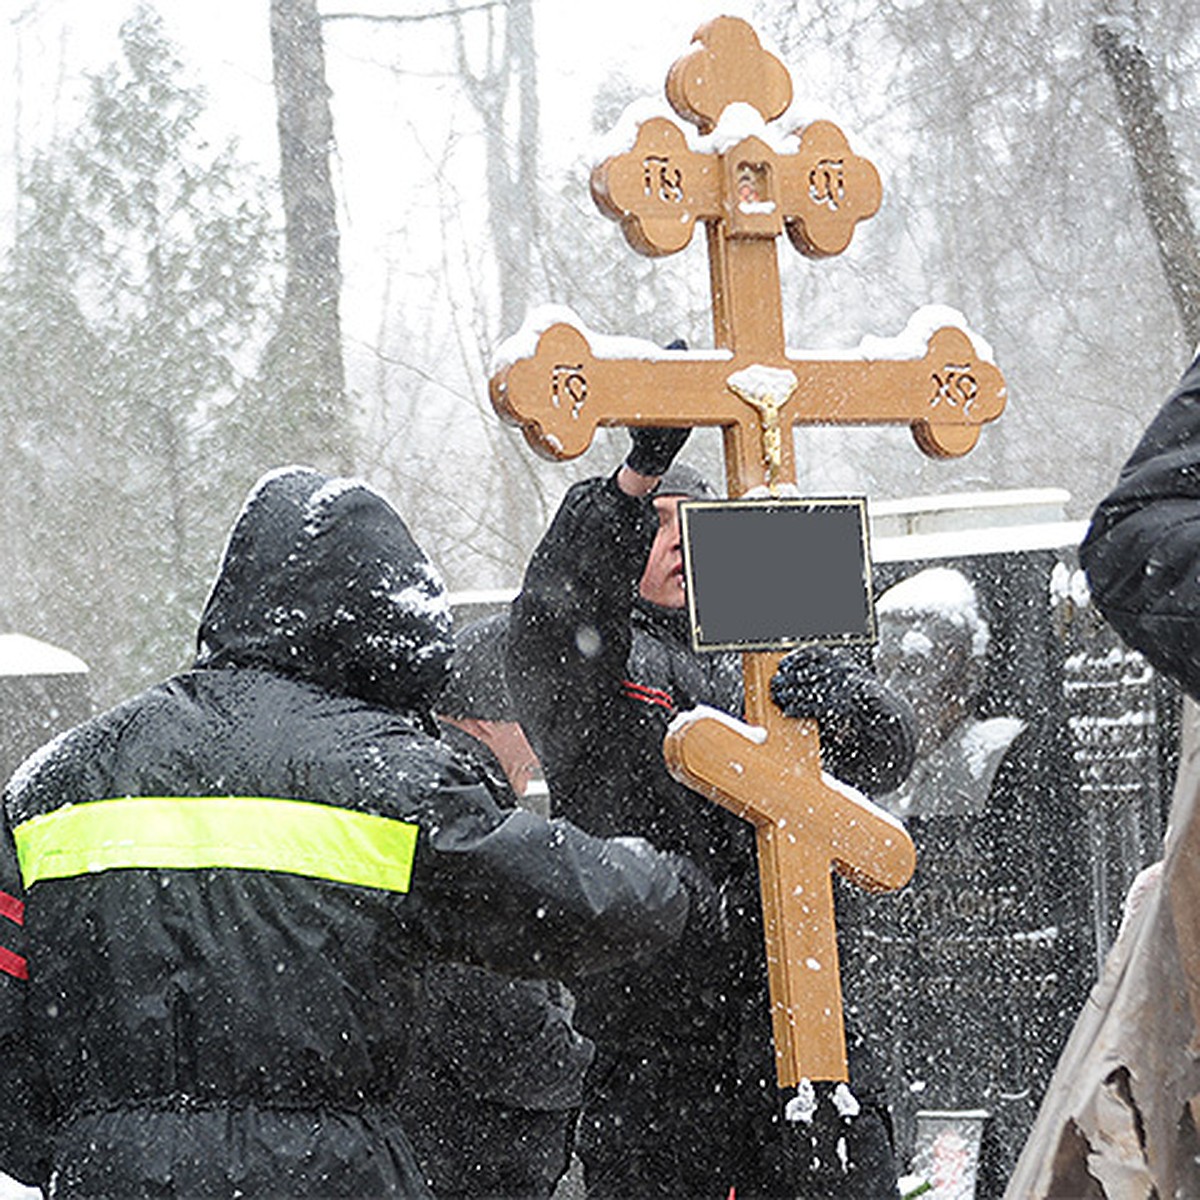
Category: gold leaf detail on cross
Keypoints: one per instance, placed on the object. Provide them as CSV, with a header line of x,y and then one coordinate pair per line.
x,y
766,389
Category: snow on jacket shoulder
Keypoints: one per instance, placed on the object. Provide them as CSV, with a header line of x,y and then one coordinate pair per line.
x,y
1142,550
232,881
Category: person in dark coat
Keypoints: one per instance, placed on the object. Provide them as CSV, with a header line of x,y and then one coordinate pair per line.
x,y
682,1099
496,1077
1141,1025
229,886
1142,549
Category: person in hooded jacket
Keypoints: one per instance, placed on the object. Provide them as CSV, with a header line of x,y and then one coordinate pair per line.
x,y
220,895
497,1066
682,1098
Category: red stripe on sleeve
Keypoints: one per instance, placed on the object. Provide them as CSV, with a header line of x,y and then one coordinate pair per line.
x,y
647,695
13,964
12,908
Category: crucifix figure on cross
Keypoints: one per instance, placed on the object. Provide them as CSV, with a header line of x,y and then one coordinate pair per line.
x,y
748,185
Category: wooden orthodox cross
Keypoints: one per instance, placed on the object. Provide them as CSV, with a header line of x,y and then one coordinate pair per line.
x,y
748,186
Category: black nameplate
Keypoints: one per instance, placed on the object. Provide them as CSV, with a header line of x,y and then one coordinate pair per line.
x,y
774,573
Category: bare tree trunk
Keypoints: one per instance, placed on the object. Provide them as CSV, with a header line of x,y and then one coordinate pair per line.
x,y
1160,182
304,371
511,175
523,196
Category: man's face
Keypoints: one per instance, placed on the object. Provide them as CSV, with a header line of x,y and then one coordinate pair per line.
x,y
662,577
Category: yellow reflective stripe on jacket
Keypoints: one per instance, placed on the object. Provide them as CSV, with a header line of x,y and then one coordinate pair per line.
x,y
194,832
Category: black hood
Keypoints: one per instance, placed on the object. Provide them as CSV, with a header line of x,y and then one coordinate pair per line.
x,y
321,580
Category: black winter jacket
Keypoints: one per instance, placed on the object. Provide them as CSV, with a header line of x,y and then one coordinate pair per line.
x,y
1142,550
502,1039
221,971
682,1098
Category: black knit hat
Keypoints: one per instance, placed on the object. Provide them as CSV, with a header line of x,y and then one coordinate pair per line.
x,y
476,687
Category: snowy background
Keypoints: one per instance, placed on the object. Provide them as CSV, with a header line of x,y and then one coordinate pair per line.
x,y
1010,194
142,266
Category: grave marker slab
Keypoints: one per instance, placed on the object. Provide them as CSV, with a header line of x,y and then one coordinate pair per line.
x,y
968,981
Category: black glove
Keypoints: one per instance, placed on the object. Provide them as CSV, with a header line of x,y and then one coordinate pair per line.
x,y
814,682
868,733
707,915
653,450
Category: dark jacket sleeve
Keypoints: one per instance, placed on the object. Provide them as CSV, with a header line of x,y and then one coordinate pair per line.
x,y
569,627
510,890
1142,550
24,1152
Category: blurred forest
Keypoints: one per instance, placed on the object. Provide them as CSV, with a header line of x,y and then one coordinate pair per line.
x,y
179,314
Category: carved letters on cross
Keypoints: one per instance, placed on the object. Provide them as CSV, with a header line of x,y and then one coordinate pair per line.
x,y
747,185
662,187
746,190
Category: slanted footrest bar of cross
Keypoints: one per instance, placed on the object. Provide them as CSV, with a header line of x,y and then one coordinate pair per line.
x,y
805,825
